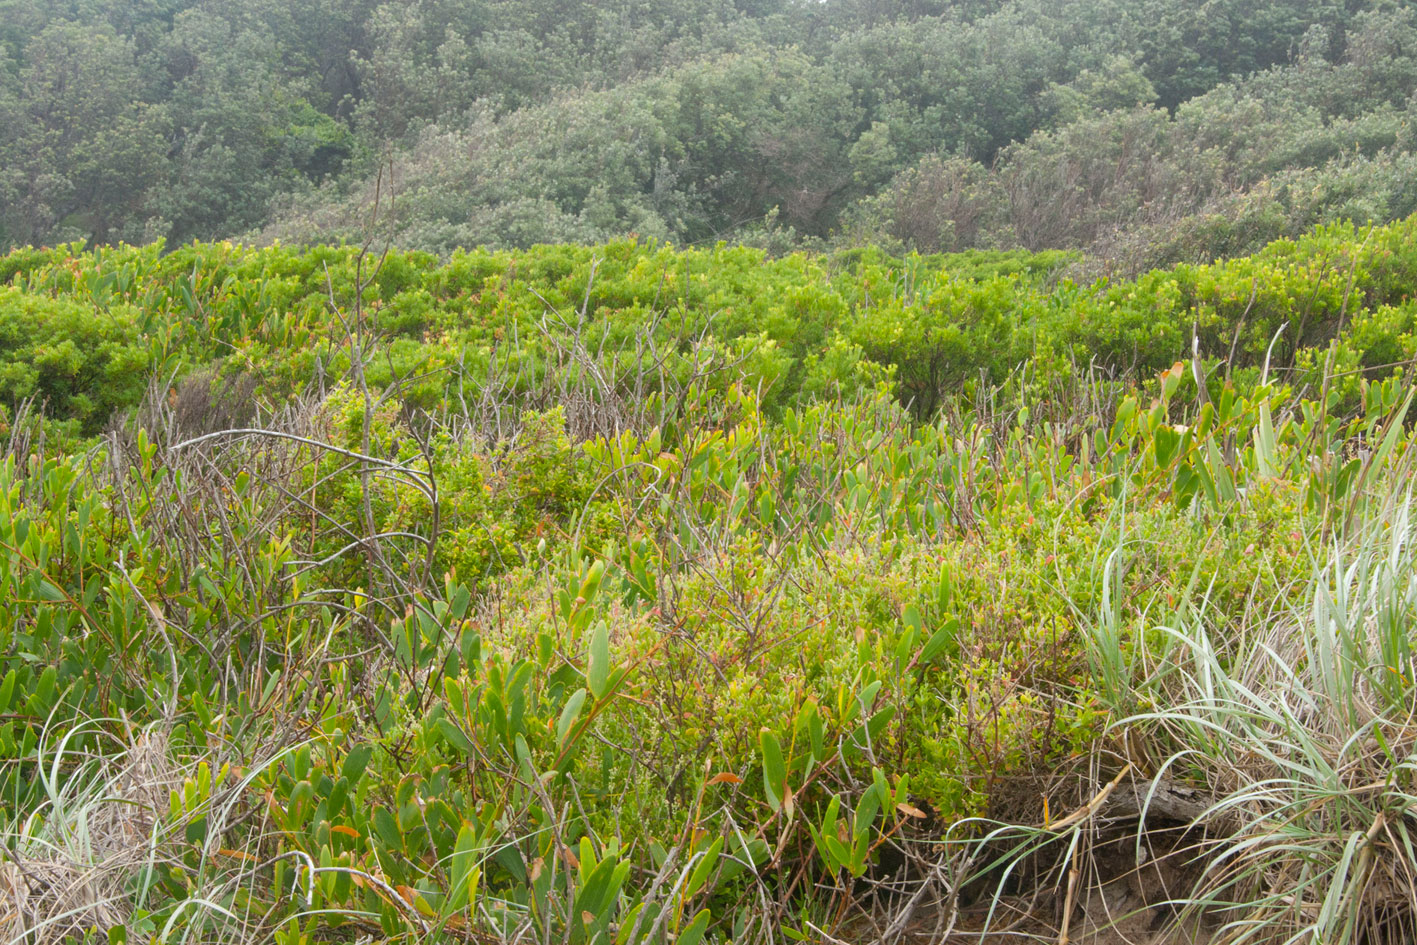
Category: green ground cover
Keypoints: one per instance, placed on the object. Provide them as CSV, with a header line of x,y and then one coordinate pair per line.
x,y
626,593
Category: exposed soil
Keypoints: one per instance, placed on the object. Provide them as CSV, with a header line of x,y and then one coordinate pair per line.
x,y
1109,876
1112,900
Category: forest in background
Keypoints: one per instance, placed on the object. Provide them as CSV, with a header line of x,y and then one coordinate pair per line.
x,y
1144,132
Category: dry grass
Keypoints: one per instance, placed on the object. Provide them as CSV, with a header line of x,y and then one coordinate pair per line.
x,y
68,866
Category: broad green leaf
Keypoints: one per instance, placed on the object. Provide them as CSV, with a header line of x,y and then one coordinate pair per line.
x,y
942,641
569,715
774,769
694,932
598,665
455,736
356,762
705,866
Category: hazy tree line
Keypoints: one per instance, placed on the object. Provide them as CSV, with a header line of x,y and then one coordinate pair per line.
x,y
1141,129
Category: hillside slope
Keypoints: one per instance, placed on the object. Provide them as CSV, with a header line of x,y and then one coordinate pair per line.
x,y
1146,132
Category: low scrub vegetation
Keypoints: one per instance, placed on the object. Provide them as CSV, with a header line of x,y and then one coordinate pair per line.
x,y
628,594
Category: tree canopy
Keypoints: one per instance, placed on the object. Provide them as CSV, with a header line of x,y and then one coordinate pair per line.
x,y
1148,131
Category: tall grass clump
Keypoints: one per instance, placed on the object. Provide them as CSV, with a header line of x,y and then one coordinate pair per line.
x,y
1300,718
71,862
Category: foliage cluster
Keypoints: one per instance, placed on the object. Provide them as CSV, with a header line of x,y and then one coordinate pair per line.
x,y
1221,174
1175,131
634,323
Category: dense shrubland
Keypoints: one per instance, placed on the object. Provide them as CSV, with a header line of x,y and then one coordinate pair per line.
x,y
1148,132
626,593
